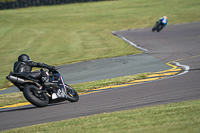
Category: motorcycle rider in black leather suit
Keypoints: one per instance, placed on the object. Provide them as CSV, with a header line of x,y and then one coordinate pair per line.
x,y
24,65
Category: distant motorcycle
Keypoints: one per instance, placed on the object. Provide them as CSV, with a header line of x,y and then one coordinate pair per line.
x,y
41,96
158,26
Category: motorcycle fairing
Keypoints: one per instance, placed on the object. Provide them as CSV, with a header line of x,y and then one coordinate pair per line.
x,y
61,92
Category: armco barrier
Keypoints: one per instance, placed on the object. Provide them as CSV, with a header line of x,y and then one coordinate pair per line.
x,y
14,4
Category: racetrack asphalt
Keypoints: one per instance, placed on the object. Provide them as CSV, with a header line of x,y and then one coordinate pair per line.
x,y
179,43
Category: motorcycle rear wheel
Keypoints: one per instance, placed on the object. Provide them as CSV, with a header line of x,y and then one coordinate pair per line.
x,y
154,28
39,100
72,95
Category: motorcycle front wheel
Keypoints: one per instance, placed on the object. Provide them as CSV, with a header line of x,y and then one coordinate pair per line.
x,y
35,98
72,95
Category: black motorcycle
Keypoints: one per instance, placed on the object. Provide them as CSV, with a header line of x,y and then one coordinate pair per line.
x,y
158,26
39,95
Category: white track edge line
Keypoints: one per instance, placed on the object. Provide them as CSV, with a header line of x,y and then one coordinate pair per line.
x,y
131,43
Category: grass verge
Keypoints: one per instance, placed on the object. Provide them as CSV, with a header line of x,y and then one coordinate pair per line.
x,y
180,117
77,32
17,97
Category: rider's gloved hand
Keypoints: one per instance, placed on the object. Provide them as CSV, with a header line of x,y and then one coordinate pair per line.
x,y
52,68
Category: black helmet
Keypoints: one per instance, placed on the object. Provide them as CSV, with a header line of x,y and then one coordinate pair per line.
x,y
24,57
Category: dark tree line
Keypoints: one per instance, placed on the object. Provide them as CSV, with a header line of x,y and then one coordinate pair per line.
x,y
14,4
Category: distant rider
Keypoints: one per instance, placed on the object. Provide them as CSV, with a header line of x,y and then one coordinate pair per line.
x,y
163,21
24,65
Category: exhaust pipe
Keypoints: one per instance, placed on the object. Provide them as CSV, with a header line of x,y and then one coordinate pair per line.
x,y
14,79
